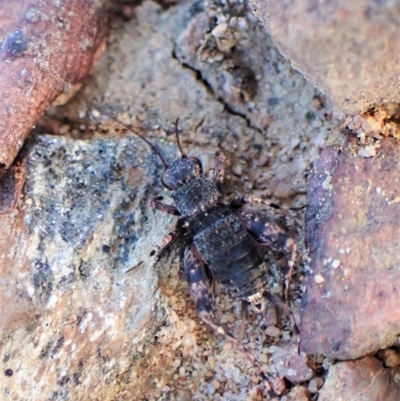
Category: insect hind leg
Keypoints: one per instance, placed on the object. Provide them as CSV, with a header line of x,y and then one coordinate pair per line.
x,y
200,290
199,284
269,233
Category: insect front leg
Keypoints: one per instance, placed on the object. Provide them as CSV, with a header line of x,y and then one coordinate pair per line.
x,y
168,239
171,236
163,207
200,291
272,234
157,250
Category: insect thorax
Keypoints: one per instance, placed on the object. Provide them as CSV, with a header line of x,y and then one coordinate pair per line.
x,y
195,196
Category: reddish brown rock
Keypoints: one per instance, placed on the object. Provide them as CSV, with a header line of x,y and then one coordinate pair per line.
x,y
390,357
362,380
348,49
291,365
46,47
11,182
298,393
350,307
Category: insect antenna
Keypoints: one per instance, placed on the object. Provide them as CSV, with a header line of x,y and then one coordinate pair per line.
x,y
183,154
151,145
134,267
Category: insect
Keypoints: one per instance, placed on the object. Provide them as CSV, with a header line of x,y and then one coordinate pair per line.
x,y
223,241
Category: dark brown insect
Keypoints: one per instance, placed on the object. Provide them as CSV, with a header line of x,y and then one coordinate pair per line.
x,y
223,241
221,238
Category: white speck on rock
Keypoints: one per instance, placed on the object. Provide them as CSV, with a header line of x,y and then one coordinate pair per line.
x,y
367,151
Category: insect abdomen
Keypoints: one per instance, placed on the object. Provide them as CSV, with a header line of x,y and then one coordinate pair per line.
x,y
230,253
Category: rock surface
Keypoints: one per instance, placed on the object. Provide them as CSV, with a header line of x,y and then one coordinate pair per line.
x,y
70,313
46,47
348,49
352,225
283,124
113,318
362,380
239,63
292,365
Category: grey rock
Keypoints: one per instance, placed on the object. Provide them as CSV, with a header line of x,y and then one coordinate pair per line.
x,y
69,309
348,49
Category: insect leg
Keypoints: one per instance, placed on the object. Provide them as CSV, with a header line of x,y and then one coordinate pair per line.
x,y
243,319
157,250
276,302
272,234
199,284
170,209
200,291
219,170
245,199
168,238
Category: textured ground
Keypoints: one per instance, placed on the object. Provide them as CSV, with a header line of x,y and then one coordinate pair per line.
x,y
88,330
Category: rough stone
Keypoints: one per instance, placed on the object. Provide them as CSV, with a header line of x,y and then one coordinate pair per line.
x,y
348,49
284,105
250,76
142,82
389,357
315,384
11,183
350,308
70,312
291,365
46,47
298,393
362,380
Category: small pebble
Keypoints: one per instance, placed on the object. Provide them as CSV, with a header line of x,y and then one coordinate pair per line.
x,y
390,357
315,384
216,384
233,22
210,388
211,361
219,30
272,331
176,363
326,364
96,113
367,151
242,23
